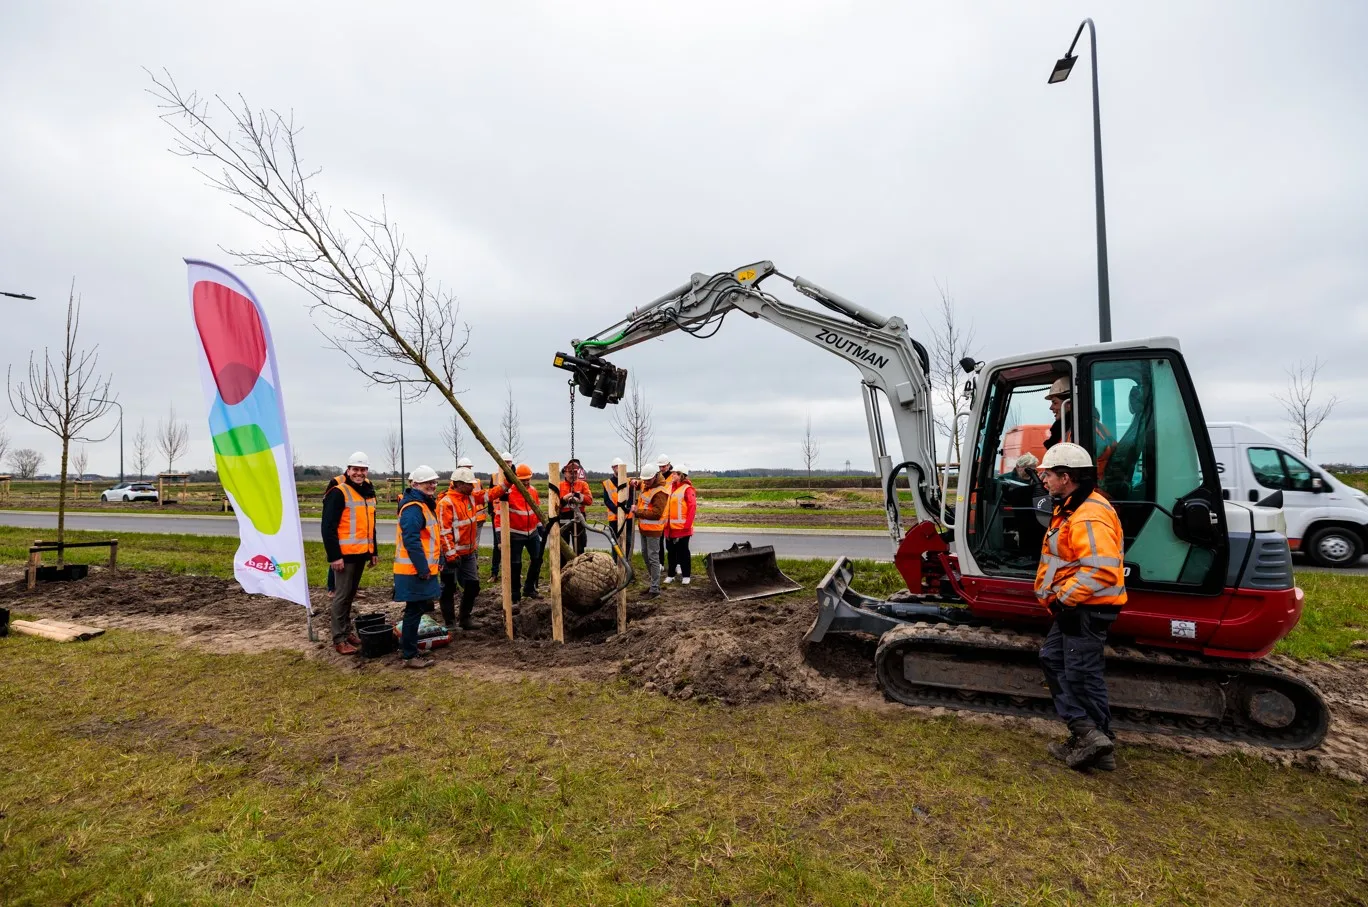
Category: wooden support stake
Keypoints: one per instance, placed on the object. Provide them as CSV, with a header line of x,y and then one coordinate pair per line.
x,y
553,543
114,554
506,567
35,558
622,593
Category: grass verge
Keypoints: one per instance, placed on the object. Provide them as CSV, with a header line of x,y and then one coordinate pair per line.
x,y
273,778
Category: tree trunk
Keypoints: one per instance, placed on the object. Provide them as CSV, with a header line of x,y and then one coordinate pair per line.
x,y
61,503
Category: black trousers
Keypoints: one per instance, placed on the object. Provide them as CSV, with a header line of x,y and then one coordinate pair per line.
x,y
677,555
1073,661
532,544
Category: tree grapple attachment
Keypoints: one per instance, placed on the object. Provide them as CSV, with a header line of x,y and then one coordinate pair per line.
x,y
743,572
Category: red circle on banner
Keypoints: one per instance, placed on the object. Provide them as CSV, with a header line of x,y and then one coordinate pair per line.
x,y
233,338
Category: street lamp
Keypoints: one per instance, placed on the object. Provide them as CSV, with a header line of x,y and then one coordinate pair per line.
x,y
395,379
118,404
1061,71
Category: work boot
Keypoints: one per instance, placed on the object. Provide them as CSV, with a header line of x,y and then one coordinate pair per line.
x,y
466,622
345,648
419,662
1061,749
1090,747
1105,762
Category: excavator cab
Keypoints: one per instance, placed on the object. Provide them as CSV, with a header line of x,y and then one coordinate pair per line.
x,y
1135,410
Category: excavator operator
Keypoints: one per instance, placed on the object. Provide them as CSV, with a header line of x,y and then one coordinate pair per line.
x,y
1081,579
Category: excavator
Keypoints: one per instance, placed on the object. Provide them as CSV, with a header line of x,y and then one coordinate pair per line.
x,y
1209,582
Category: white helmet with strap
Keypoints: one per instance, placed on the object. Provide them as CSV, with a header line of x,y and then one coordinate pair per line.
x,y
1066,456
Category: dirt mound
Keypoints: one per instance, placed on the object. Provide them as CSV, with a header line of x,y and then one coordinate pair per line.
x,y
689,643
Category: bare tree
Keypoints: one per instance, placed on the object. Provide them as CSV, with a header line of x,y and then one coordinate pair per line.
x,y
142,449
810,449
4,442
951,342
79,461
66,396
392,451
173,439
25,462
1299,403
633,423
452,438
510,432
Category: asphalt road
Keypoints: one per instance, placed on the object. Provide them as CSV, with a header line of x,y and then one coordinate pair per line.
x,y
795,543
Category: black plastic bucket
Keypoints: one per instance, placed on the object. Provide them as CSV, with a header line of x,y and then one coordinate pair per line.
x,y
375,619
4,621
377,640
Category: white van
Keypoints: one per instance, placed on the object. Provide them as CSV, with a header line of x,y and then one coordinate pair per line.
x,y
1326,519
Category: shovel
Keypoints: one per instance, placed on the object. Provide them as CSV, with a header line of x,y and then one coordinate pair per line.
x,y
743,572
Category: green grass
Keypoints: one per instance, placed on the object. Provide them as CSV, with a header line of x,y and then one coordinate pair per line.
x,y
1334,618
273,778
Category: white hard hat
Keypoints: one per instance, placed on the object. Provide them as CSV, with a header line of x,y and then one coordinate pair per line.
x,y
1066,455
359,459
423,474
1060,388
508,457
662,460
682,468
648,473
464,461
617,461
463,474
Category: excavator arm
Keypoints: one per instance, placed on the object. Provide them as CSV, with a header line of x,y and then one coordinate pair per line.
x,y
890,363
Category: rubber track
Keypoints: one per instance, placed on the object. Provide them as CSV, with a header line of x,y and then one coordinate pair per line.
x,y
1305,732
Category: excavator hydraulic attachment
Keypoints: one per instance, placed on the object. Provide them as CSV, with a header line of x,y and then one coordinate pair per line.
x,y
743,572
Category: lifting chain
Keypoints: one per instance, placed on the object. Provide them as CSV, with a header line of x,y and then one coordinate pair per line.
x,y
571,382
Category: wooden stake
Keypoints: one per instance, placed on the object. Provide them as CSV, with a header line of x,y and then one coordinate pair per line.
x,y
506,565
35,558
553,544
114,554
621,478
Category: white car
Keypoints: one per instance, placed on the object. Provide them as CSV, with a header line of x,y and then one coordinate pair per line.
x,y
130,491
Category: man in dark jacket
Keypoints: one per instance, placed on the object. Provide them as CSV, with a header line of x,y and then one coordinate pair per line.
x,y
417,560
348,530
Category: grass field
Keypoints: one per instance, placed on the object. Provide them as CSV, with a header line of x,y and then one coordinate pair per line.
x,y
274,778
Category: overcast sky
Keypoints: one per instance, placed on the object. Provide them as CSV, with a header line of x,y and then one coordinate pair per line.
x,y
561,164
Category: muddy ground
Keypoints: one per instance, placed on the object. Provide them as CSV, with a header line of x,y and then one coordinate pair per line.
x,y
688,644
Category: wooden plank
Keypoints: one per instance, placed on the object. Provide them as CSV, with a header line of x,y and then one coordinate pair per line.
x,y
622,593
553,543
506,567
35,629
85,631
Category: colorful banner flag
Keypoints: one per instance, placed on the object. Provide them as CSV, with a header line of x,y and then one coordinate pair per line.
x,y
247,423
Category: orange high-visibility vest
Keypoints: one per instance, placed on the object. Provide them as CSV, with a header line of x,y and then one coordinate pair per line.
x,y
431,536
356,529
677,513
523,518
1081,560
611,500
458,516
482,515
656,526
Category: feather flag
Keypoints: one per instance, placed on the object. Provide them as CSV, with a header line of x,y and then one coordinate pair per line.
x,y
247,423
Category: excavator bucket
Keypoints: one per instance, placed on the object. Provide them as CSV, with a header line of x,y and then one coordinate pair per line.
x,y
742,572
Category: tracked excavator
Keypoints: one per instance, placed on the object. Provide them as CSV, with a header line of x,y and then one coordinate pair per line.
x,y
1209,582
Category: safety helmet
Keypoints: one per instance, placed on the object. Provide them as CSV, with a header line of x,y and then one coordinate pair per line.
x,y
1060,388
682,469
617,461
662,460
507,457
359,459
524,471
465,462
648,473
423,474
463,474
1066,456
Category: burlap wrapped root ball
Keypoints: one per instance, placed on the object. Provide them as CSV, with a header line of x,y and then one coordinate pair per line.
x,y
587,578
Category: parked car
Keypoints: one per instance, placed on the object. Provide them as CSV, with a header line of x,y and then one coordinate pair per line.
x,y
130,491
1327,520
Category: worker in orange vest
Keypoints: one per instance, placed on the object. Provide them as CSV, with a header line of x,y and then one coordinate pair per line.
x,y
524,527
679,520
417,560
666,470
1081,579
575,498
492,512
617,499
348,530
652,501
458,514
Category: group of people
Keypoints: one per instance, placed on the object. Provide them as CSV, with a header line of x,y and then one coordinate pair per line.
x,y
437,536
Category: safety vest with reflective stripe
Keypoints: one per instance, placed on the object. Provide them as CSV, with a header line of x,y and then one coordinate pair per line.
x,y
611,501
648,495
1081,561
523,518
430,537
458,515
356,528
678,520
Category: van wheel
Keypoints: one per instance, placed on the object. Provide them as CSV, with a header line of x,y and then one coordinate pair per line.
x,y
1334,546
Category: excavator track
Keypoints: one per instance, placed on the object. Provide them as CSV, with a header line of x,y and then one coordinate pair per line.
x,y
987,670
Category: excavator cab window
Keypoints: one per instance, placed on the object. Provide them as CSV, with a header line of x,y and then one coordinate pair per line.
x,y
1137,414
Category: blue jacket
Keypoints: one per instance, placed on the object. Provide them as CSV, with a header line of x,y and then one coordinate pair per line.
x,y
416,588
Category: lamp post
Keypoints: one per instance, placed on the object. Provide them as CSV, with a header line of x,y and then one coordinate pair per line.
x,y
121,448
395,379
1059,74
